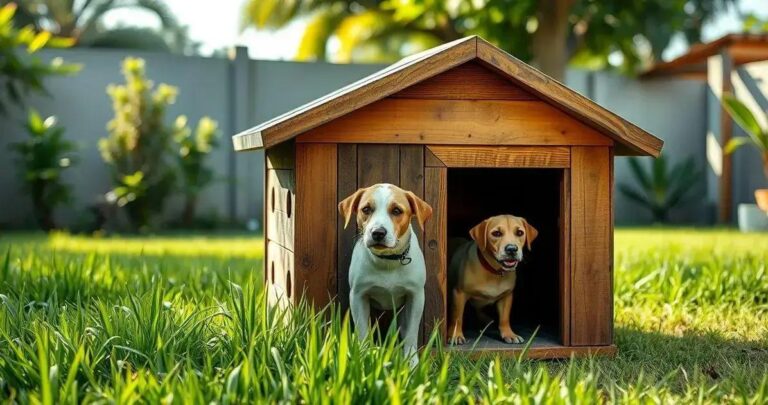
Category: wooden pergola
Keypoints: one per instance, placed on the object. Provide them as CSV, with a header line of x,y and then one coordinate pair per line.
x,y
715,62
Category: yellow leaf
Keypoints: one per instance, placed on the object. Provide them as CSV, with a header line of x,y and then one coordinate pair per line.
x,y
7,12
40,40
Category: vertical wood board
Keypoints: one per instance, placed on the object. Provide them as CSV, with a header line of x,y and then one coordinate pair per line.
x,y
315,244
436,249
377,163
591,278
347,184
564,258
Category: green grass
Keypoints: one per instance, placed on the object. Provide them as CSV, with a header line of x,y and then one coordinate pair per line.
x,y
182,320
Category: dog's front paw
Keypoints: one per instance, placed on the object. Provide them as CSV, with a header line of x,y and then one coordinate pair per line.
x,y
511,337
458,339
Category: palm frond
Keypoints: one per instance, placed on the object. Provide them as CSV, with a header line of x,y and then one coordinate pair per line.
x,y
130,38
317,33
638,172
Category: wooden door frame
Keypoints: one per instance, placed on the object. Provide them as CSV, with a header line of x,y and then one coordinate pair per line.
x,y
444,157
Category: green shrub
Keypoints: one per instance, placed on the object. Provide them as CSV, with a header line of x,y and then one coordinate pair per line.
x,y
19,73
141,147
661,188
42,159
138,145
192,151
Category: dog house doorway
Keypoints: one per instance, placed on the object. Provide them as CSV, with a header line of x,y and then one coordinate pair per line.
x,y
537,195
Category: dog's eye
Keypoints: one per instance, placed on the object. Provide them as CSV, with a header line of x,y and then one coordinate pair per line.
x,y
367,210
496,234
519,232
396,211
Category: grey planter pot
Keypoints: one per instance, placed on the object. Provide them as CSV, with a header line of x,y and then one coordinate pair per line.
x,y
752,218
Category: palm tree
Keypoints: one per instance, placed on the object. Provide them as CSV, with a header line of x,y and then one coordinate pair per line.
x,y
83,21
550,33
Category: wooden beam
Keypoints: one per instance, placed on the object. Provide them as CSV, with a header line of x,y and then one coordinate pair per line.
x,y
457,122
436,250
726,134
538,353
503,156
591,267
630,138
470,81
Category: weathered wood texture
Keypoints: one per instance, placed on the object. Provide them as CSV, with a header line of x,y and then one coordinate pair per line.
x,y
503,156
591,266
405,73
436,250
632,140
378,164
279,276
347,184
282,156
564,258
412,176
430,160
280,207
315,236
470,81
483,122
417,68
542,353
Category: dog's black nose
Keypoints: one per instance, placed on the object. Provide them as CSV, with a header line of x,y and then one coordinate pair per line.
x,y
510,249
378,234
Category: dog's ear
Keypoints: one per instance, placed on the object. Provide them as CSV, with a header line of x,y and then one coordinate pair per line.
x,y
348,206
420,207
479,234
530,233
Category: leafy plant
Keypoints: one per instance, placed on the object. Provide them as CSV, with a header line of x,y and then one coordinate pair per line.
x,y
138,145
590,33
84,22
661,188
757,135
192,151
43,157
21,74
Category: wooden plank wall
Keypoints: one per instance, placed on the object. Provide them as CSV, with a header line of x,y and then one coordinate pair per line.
x,y
436,250
279,222
315,237
591,244
364,165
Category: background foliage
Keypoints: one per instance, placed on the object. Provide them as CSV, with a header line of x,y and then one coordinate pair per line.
x,y
43,157
595,34
21,74
147,156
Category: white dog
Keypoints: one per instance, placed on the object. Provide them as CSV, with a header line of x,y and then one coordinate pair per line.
x,y
387,268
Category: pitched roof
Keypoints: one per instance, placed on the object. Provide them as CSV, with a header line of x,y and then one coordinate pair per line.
x,y
630,139
743,48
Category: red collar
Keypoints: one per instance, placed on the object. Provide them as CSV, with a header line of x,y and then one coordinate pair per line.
x,y
487,266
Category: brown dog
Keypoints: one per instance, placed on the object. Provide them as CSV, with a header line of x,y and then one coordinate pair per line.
x,y
483,271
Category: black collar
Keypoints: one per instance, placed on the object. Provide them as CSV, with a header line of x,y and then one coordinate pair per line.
x,y
402,257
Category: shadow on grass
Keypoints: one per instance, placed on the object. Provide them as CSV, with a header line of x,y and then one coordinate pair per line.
x,y
702,357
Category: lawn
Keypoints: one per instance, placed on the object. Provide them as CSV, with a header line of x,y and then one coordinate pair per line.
x,y
181,319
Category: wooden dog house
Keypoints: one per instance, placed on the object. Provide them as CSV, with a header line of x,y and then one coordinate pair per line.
x,y
475,132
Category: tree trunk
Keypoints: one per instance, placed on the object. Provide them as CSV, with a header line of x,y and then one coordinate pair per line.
x,y
190,207
550,41
765,164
